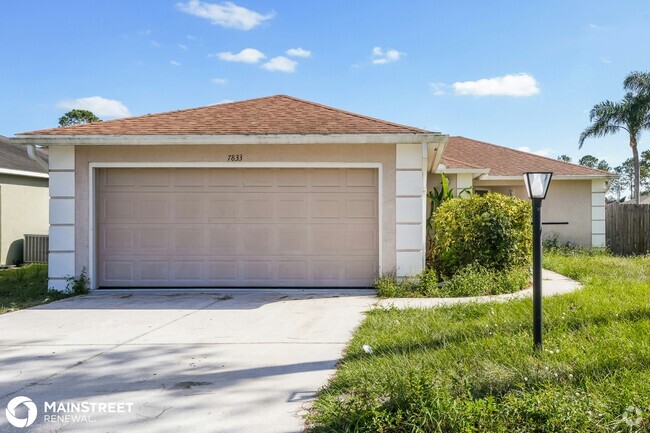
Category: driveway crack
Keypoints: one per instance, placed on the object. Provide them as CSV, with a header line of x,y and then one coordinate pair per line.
x,y
115,346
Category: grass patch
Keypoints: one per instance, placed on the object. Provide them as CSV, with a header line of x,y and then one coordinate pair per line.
x,y
26,287
470,281
471,368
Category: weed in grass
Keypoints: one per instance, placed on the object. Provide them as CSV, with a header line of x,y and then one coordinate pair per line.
x,y
472,280
471,368
78,285
25,287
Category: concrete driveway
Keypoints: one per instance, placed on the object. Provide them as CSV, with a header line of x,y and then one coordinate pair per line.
x,y
174,362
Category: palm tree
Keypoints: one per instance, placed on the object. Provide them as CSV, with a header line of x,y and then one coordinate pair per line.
x,y
638,82
632,115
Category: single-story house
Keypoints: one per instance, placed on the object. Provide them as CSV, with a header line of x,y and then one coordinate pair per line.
x,y
574,209
268,192
644,199
23,198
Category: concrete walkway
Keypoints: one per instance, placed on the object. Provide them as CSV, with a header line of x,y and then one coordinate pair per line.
x,y
552,284
187,362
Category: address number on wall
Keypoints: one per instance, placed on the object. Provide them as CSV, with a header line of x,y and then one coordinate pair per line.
x,y
236,157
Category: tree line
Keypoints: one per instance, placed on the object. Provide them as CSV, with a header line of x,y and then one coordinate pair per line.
x,y
622,187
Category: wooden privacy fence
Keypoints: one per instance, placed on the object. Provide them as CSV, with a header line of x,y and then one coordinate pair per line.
x,y
627,228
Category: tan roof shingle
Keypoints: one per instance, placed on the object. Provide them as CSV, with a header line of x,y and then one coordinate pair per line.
x,y
279,114
462,152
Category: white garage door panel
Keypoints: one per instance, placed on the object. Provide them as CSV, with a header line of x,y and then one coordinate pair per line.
x,y
237,227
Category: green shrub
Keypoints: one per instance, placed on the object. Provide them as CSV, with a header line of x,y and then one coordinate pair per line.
x,y
470,281
474,280
492,231
423,285
79,285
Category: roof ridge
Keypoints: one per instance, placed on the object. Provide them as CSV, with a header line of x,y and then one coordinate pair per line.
x,y
361,116
183,110
534,155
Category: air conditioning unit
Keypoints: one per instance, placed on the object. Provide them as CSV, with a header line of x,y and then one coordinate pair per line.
x,y
36,248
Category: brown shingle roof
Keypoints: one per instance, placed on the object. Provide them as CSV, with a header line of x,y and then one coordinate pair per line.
x,y
278,114
461,152
455,163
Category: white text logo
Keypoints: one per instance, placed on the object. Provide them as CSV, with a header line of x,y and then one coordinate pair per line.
x,y
11,412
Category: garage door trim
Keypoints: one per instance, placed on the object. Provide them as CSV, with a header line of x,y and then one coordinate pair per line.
x,y
92,248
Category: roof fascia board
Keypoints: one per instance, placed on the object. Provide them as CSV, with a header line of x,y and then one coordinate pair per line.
x,y
161,140
434,161
23,173
555,177
477,171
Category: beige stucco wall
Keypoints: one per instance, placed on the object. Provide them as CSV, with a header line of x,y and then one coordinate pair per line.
x,y
332,153
567,201
23,210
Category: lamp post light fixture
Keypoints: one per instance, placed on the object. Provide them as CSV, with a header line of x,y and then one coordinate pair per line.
x,y
537,184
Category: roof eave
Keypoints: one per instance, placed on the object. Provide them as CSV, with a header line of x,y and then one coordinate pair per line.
x,y
23,173
476,171
190,139
555,177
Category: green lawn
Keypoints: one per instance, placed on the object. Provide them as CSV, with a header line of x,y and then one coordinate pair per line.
x,y
25,287
471,368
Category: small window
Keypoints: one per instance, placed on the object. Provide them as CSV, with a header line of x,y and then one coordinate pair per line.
x,y
481,191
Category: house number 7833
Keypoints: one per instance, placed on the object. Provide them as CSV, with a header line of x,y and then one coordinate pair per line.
x,y
236,157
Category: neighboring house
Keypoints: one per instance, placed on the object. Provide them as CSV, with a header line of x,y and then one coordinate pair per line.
x,y
645,199
23,199
269,192
574,209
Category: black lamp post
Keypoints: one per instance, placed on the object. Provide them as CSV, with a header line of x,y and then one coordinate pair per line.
x,y
537,186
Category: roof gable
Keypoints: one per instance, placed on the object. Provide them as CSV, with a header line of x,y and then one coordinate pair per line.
x,y
279,114
462,152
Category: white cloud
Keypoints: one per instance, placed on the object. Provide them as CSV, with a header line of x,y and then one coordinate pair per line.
x,y
220,81
438,89
191,38
174,62
224,101
381,56
541,152
508,85
280,64
247,55
181,46
156,44
101,107
226,14
298,52
605,60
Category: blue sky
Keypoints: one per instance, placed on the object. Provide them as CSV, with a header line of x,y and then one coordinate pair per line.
x,y
518,74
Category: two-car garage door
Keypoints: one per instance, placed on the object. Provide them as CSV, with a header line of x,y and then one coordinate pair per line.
x,y
237,227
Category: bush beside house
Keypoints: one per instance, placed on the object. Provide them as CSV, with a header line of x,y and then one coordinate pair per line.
x,y
480,245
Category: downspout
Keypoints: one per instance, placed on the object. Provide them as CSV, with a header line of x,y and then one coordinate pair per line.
x,y
425,176
31,152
